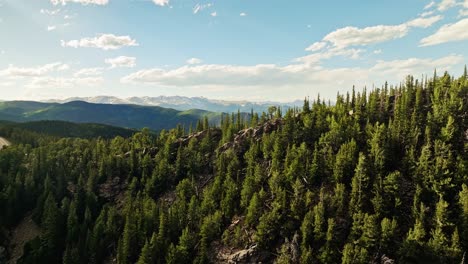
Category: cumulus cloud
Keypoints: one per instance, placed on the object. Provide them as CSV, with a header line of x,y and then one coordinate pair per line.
x,y
104,41
243,14
448,33
63,67
214,14
88,72
59,82
423,22
446,4
428,13
13,71
227,75
316,46
352,36
316,58
83,2
51,28
401,68
161,2
200,7
431,4
345,41
121,61
463,13
295,78
193,61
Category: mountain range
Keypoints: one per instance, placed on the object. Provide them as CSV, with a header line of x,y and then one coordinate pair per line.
x,y
121,115
183,103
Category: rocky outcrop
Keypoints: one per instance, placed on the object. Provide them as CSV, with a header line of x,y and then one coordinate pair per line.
x,y
386,260
249,255
215,134
239,144
111,189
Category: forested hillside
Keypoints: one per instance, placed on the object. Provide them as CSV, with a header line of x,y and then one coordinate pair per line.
x,y
380,176
62,129
129,116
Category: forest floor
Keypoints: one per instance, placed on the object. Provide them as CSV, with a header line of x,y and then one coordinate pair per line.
x,y
26,231
4,142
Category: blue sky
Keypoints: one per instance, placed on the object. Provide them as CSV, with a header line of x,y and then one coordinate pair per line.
x,y
224,49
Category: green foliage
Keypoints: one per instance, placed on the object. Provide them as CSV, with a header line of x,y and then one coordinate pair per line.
x,y
381,172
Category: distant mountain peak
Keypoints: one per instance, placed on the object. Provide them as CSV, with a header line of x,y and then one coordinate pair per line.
x,y
184,103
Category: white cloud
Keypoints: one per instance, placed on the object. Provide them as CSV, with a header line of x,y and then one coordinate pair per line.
x,y
294,80
342,41
214,14
316,58
316,46
199,7
428,13
7,84
448,33
227,75
377,51
193,61
423,22
13,71
63,67
352,36
446,4
50,12
431,4
104,41
462,13
51,28
161,2
243,14
59,82
83,2
121,61
402,68
88,72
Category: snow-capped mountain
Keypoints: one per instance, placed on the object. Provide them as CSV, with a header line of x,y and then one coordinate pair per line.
x,y
185,103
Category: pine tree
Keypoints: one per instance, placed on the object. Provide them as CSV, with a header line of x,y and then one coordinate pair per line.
x,y
439,240
52,232
360,185
146,254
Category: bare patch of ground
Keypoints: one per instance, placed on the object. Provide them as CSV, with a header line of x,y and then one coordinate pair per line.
x,y
24,232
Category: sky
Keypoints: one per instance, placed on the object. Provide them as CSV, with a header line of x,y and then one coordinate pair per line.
x,y
254,50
